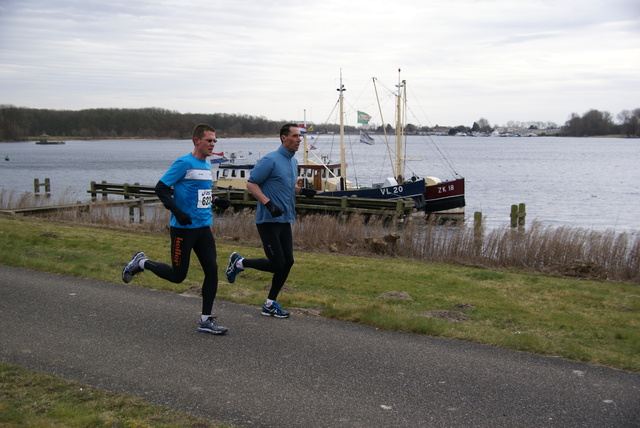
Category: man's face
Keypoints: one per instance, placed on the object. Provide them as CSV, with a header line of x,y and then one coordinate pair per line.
x,y
203,147
292,141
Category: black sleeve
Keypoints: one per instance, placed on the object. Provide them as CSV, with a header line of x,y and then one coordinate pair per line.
x,y
164,194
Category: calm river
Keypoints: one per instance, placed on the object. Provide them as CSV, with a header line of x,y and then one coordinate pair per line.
x,y
585,182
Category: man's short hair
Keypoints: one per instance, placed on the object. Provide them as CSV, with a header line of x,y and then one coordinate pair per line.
x,y
200,129
286,129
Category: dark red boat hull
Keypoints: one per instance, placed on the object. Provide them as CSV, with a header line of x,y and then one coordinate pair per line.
x,y
444,196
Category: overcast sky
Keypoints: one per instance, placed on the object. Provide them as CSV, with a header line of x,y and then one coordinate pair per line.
x,y
503,60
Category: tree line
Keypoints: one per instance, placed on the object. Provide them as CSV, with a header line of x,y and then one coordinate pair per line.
x,y
21,123
596,123
590,124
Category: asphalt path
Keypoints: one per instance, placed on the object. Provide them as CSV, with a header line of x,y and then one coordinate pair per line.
x,y
298,372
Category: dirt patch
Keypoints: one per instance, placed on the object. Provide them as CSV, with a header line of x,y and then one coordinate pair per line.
x,y
383,245
307,312
449,316
239,293
193,291
464,306
582,269
400,295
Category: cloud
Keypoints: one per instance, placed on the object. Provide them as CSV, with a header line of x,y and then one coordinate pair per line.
x,y
499,59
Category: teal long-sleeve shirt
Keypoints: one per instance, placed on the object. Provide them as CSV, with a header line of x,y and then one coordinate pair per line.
x,y
276,175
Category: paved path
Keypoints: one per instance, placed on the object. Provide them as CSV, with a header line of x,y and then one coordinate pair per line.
x,y
302,372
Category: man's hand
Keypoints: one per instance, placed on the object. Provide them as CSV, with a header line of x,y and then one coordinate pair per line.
x,y
309,193
183,218
273,209
222,203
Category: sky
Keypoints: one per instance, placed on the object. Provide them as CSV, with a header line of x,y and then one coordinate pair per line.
x,y
501,60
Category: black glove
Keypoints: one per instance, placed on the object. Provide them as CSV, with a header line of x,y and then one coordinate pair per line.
x,y
222,203
273,209
183,218
309,193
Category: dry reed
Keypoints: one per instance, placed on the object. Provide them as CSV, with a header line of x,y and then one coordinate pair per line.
x,y
561,250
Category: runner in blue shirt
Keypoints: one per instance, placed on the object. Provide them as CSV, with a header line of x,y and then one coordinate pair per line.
x,y
273,183
191,220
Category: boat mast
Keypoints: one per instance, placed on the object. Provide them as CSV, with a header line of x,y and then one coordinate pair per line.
x,y
305,152
343,157
399,131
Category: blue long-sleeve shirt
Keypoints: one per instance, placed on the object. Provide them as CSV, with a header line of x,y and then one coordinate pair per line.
x,y
276,175
191,180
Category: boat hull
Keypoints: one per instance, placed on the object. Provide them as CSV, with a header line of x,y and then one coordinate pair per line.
x,y
445,195
411,189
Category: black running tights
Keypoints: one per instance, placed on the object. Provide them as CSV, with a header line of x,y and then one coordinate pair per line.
x,y
182,242
277,241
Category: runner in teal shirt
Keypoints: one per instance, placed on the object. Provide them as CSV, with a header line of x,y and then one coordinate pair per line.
x,y
191,218
276,175
273,183
191,180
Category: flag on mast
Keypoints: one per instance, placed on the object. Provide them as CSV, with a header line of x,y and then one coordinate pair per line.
x,y
366,138
363,117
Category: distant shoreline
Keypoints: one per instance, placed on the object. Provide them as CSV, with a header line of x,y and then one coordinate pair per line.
x,y
59,138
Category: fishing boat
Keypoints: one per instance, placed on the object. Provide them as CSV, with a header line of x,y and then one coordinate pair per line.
x,y
232,172
44,139
430,194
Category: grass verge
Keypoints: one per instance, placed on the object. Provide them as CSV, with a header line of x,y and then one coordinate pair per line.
x,y
592,321
33,399
596,322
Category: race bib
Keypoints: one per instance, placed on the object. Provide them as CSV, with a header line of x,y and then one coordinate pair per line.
x,y
204,198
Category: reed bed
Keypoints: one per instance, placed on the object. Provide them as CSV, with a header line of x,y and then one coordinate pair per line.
x,y
564,250
569,251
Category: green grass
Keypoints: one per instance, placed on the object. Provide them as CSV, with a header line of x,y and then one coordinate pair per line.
x,y
590,321
33,399
596,322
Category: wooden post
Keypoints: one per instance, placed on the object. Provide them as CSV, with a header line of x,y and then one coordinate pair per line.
x,y
46,185
408,206
141,209
93,191
478,234
518,214
104,195
400,207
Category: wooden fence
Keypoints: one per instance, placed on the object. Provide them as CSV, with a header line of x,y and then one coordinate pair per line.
x,y
241,199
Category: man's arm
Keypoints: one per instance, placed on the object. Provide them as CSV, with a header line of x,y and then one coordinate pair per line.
x,y
303,191
164,194
257,193
255,190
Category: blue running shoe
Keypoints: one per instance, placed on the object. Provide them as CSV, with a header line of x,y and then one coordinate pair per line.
x,y
211,326
133,267
232,269
274,311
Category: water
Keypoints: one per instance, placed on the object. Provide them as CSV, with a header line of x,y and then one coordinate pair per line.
x,y
582,182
